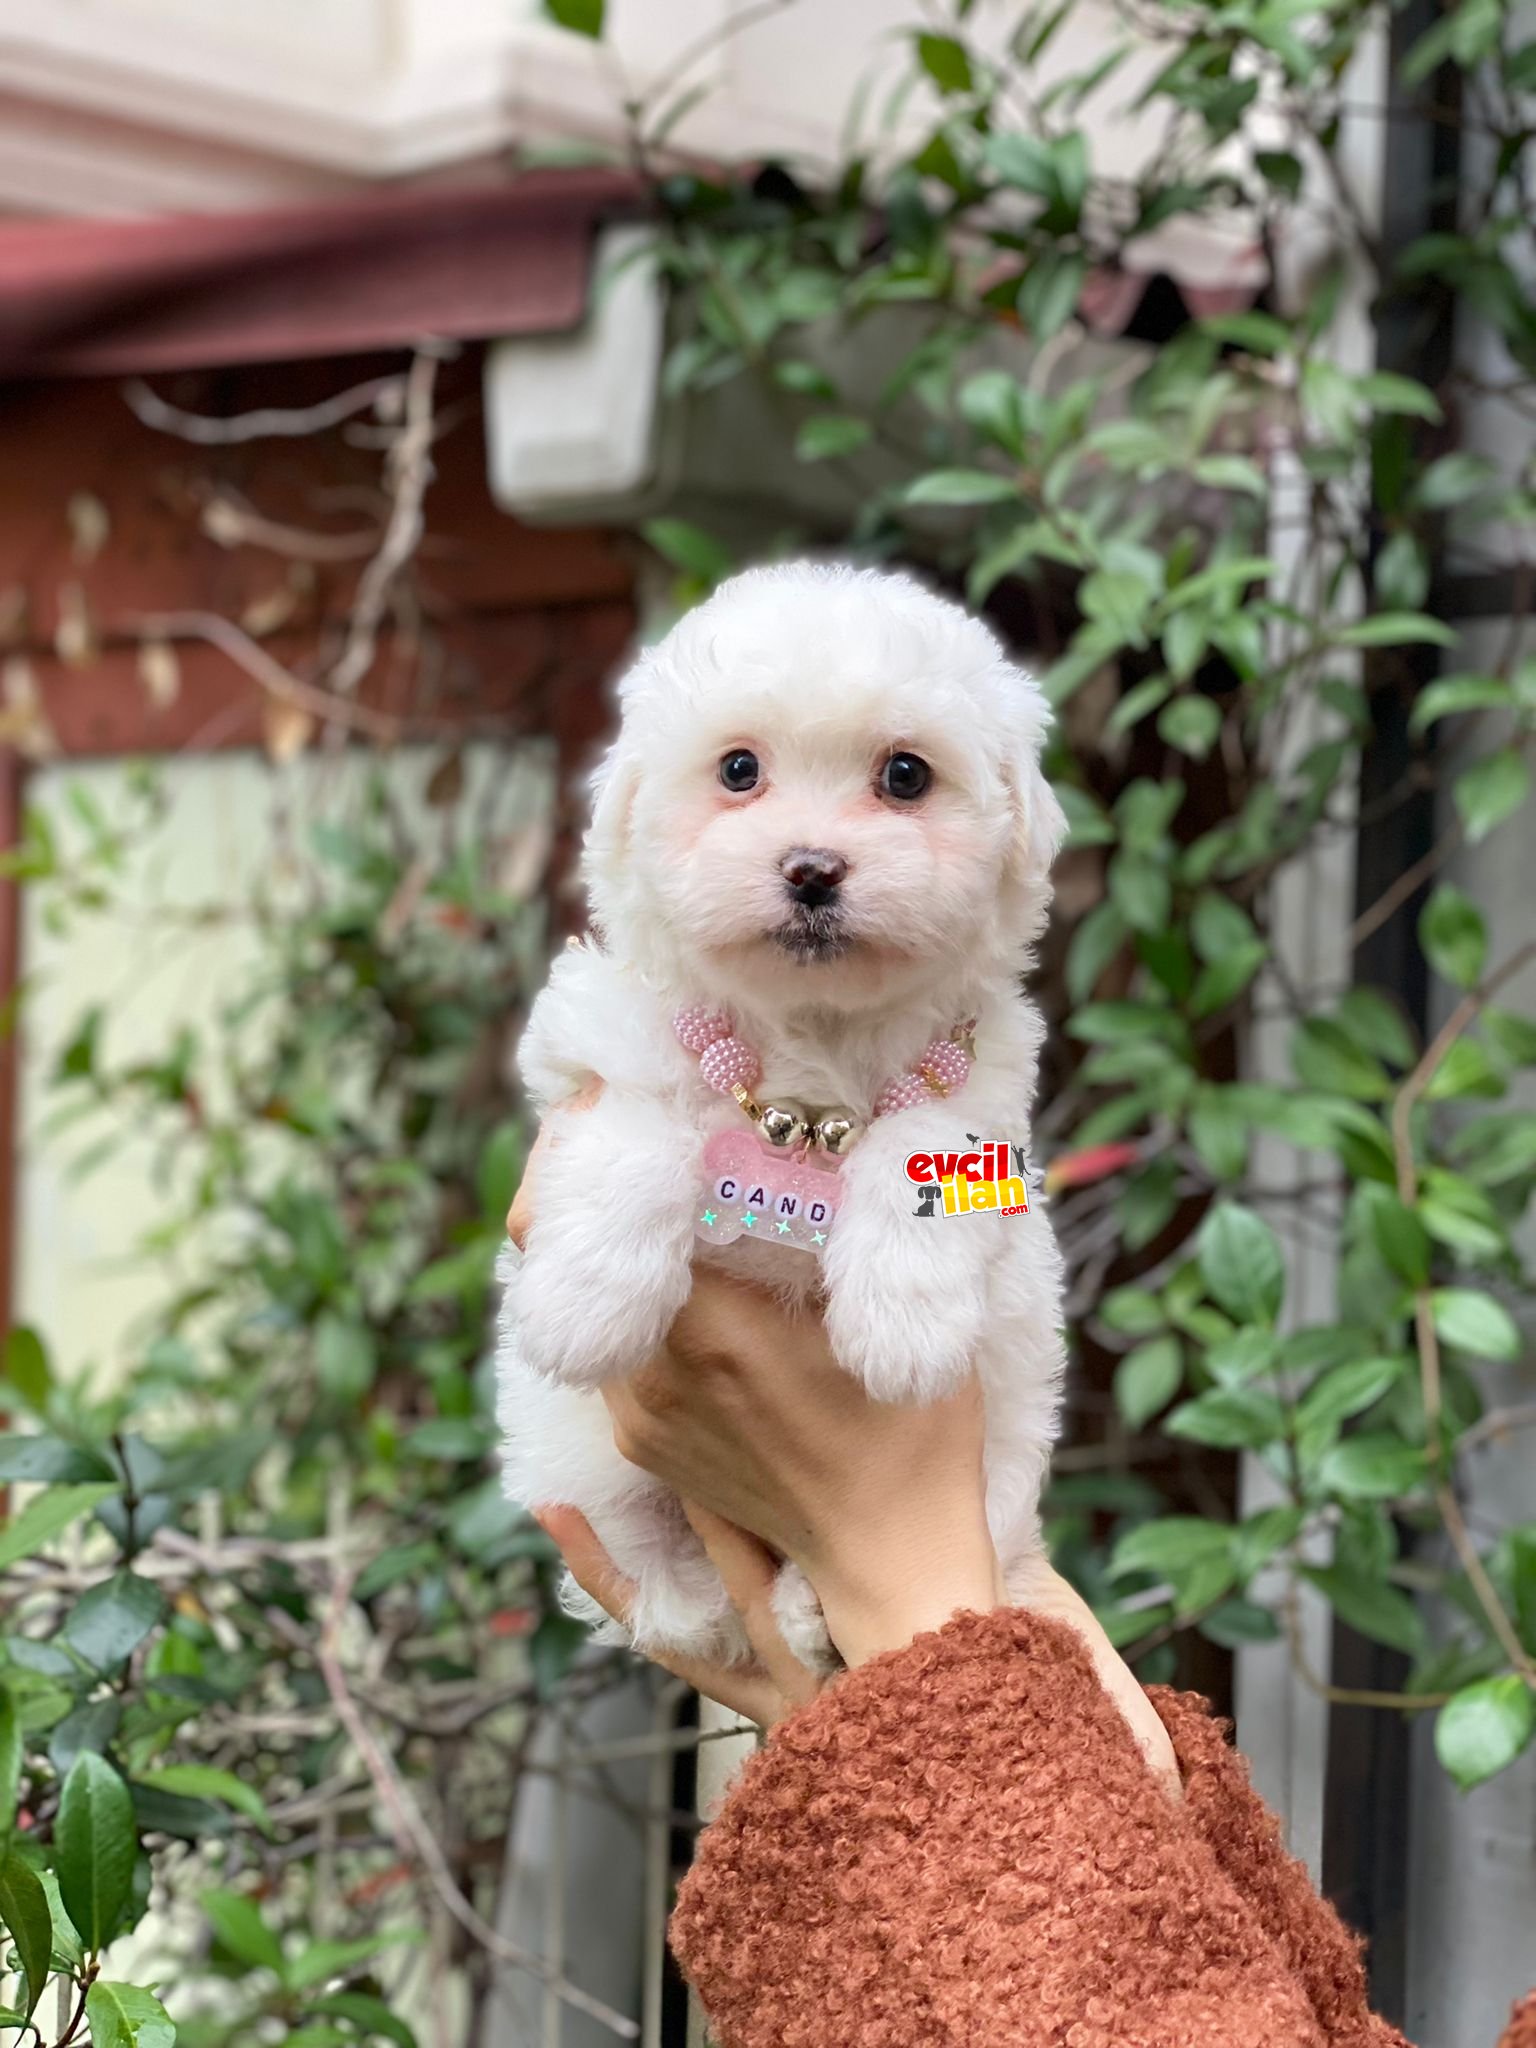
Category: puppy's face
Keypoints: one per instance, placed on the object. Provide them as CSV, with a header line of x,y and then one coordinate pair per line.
x,y
819,787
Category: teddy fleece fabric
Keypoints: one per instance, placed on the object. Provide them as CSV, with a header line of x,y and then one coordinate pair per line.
x,y
960,1843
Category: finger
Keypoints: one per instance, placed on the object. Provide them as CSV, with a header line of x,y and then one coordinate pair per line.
x,y
587,1561
739,1688
749,1572
520,1215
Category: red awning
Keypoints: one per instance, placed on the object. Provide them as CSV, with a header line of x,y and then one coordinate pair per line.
x,y
84,297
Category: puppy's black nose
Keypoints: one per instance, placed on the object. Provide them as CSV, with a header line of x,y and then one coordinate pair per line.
x,y
813,874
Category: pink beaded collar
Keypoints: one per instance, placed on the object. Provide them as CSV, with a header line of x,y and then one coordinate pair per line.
x,y
728,1063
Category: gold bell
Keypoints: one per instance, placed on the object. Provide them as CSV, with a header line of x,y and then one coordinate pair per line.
x,y
781,1127
837,1132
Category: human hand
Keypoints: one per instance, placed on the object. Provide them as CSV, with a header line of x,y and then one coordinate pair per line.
x,y
764,1690
746,1412
747,1415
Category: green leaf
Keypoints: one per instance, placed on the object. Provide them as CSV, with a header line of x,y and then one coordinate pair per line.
x,y
1190,724
946,63
1484,1728
1219,1132
1453,480
1147,1379
450,1436
553,1647
368,2014
1255,1541
1490,791
1454,936
1170,1546
1133,1312
1372,1466
96,1843
696,553
808,381
1141,891
1278,167
1402,574
204,1781
91,1726
992,404
1347,1390
1122,1023
1048,296
1454,694
960,487
1097,941
346,1356
107,1623
1497,1148
1387,393
1242,1355
237,1922
45,1517
1375,1022
1370,1606
1020,160
1397,629
1475,1323
1086,822
1237,1621
582,17
10,1762
127,2016
326,1959
1515,1036
1241,1263
1219,926
1327,1058
45,1460
1222,981
24,1910
830,434
24,1364
1398,1234
1229,1419
1230,473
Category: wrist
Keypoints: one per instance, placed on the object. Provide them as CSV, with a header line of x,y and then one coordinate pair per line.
x,y
901,1588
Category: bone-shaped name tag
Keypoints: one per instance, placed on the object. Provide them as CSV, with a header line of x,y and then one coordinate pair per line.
x,y
751,1190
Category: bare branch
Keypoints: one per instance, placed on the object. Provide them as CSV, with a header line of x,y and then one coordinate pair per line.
x,y
268,422
278,681
418,1845
1409,1095
410,472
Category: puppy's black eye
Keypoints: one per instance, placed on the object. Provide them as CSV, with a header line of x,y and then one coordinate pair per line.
x,y
905,776
739,769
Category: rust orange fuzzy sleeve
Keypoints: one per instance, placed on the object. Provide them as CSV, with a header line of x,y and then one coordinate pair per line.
x,y
959,1843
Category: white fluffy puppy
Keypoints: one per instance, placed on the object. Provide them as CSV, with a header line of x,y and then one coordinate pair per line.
x,y
824,814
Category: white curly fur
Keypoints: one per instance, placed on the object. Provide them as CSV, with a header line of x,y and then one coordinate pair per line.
x,y
822,672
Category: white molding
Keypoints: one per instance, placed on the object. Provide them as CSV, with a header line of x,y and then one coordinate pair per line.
x,y
364,126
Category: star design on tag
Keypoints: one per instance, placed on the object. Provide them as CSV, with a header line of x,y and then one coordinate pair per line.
x,y
782,1227
818,1237
748,1219
709,1216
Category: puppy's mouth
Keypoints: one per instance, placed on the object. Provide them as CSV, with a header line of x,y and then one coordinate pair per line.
x,y
813,934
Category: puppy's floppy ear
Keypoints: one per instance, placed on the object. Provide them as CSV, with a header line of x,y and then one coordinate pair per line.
x,y
606,850
1039,823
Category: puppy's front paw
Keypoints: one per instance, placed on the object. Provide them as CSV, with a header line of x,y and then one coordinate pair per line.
x,y
903,1322
581,1327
